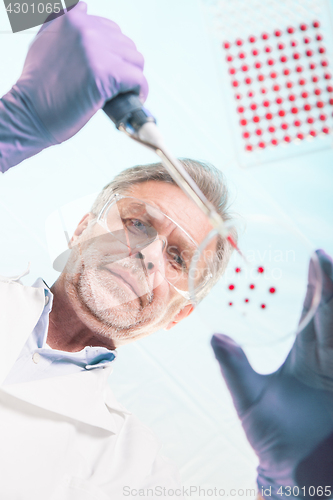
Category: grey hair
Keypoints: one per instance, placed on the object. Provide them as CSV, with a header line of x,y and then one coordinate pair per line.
x,y
209,179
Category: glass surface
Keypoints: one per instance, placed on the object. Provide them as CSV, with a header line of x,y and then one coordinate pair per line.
x,y
259,299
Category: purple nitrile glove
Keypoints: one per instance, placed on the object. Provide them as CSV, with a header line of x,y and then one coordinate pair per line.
x,y
288,415
74,65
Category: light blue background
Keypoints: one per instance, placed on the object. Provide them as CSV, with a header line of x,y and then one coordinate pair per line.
x,y
170,380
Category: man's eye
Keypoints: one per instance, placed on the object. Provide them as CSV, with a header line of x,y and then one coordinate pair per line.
x,y
136,225
176,259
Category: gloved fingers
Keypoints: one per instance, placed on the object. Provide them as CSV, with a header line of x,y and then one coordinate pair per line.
x,y
244,384
326,264
134,80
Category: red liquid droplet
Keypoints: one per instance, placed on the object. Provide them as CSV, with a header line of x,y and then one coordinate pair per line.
x,y
303,27
297,123
252,287
273,74
309,53
263,90
239,42
287,138
252,39
324,63
321,50
286,71
261,78
307,107
226,45
270,62
276,88
304,95
310,120
243,122
300,136
322,117
269,116
260,269
283,59
248,81
253,106
261,145
284,126
235,83
292,97
256,119
232,71
242,55
307,39
238,270
327,76
279,100
271,129
297,55
316,24
312,65
315,78
240,109
246,300
289,85
313,133
263,306
319,37
317,91
274,142
282,112
302,81
320,104
230,303
277,32
245,67
329,88
293,43
258,64
280,46
299,69
331,102
268,48
259,131
231,287
255,52
326,130
265,36
229,58
238,96
249,147
250,94
266,104
294,110
246,135
290,30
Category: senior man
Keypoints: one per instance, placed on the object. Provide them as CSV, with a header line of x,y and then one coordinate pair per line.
x,y
62,434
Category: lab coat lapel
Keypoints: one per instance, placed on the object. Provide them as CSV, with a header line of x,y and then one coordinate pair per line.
x,y
21,307
79,396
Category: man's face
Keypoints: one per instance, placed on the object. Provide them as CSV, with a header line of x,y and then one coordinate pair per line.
x,y
114,297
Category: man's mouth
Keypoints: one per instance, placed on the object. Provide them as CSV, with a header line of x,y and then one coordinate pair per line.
x,y
127,279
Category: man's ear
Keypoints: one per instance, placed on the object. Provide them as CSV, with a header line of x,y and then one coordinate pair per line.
x,y
186,311
82,225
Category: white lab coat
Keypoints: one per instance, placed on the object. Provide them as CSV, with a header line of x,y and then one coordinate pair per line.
x,y
66,438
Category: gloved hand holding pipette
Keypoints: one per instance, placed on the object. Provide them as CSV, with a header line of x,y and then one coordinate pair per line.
x,y
74,65
288,415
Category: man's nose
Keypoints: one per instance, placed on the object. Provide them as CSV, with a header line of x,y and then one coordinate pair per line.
x,y
152,255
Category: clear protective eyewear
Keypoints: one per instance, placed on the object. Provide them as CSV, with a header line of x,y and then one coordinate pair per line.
x,y
162,249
